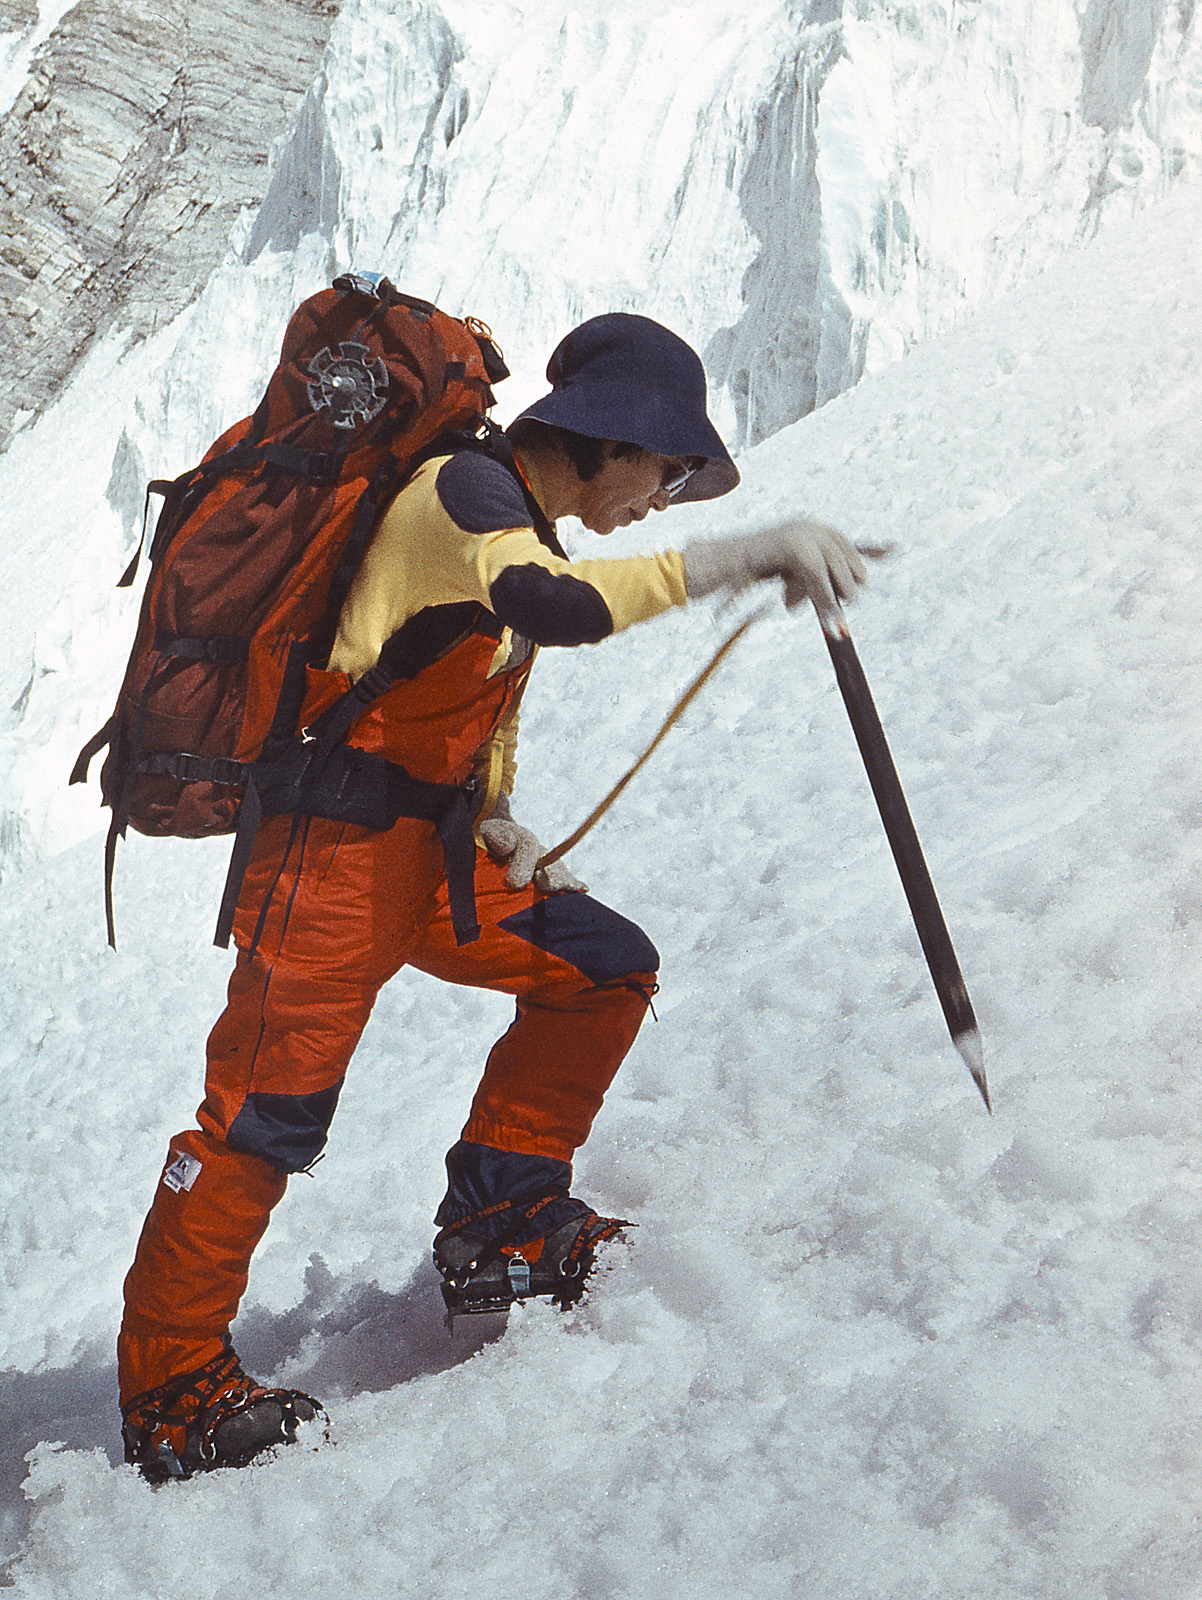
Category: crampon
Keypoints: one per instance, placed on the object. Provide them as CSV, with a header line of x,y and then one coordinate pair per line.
x,y
481,1274
213,1417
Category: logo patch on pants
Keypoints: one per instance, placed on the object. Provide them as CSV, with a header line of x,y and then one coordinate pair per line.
x,y
182,1173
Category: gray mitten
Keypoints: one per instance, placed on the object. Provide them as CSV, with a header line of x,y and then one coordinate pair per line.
x,y
508,841
816,562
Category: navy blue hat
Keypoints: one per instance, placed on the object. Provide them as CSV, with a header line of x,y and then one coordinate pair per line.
x,y
624,377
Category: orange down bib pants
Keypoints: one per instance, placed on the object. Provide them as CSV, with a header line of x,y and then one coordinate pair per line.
x,y
339,909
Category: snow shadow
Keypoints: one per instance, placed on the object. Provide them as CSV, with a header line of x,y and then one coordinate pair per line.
x,y
334,1344
361,1340
76,1406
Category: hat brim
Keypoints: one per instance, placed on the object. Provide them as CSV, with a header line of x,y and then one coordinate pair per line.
x,y
650,418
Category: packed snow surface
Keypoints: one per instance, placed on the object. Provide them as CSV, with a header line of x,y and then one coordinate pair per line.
x,y
865,1340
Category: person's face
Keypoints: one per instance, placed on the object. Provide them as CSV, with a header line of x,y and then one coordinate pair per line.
x,y
626,489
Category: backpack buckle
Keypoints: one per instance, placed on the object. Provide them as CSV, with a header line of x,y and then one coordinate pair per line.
x,y
322,466
367,283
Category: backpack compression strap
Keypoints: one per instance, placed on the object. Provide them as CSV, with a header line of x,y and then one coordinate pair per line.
x,y
182,493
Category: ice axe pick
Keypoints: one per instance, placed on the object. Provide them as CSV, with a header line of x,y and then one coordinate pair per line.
x,y
903,841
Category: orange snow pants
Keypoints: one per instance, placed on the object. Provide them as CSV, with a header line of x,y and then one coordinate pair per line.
x,y
346,908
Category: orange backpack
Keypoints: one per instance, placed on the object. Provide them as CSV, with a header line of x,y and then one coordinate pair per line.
x,y
251,560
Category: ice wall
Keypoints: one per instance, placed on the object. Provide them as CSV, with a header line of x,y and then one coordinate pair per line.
x,y
805,189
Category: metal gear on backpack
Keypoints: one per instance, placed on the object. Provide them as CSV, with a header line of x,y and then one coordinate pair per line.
x,y
351,387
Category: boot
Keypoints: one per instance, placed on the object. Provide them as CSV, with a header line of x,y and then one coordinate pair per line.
x,y
482,1270
213,1417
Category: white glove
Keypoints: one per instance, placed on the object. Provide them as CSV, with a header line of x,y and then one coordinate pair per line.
x,y
816,562
508,841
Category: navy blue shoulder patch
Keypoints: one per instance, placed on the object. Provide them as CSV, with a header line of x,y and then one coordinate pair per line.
x,y
480,496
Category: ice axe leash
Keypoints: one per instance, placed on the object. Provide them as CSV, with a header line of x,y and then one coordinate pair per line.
x,y
670,721
903,840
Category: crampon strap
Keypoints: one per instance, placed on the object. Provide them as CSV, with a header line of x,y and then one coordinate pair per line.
x,y
218,1391
594,1230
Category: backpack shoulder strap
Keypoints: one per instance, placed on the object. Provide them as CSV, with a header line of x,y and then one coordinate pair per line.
x,y
492,441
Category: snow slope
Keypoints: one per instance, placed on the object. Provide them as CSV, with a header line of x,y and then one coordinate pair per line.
x,y
866,1342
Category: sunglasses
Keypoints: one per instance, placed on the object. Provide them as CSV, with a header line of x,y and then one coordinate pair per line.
x,y
676,475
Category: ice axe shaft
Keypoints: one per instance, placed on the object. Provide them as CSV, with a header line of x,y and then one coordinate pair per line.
x,y
903,840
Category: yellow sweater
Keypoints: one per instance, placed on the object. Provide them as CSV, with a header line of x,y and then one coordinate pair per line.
x,y
460,531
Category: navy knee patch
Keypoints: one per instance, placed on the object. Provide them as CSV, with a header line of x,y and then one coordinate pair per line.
x,y
580,930
289,1130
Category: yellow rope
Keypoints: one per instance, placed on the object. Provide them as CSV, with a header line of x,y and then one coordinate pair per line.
x,y
673,717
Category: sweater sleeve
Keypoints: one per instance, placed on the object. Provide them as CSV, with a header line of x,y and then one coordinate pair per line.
x,y
460,530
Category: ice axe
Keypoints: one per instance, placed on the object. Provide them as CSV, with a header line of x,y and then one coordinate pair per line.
x,y
903,840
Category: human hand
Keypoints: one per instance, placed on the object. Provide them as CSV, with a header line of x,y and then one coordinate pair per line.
x,y
816,562
507,840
